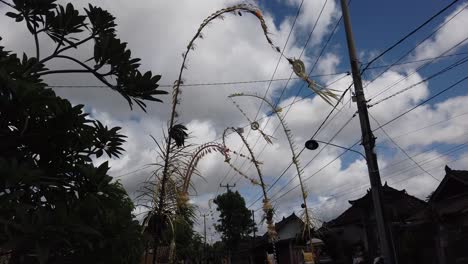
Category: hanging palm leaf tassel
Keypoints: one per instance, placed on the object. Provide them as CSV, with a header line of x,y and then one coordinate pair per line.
x,y
326,94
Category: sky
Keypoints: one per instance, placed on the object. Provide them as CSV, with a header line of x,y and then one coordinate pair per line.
x,y
234,49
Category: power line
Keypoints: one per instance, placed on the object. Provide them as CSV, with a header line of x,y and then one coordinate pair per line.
x,y
357,188
204,84
132,172
277,127
291,163
417,45
408,35
289,182
415,61
402,149
290,76
401,40
309,75
219,138
388,122
423,102
431,125
421,162
269,83
446,69
415,71
274,80
395,173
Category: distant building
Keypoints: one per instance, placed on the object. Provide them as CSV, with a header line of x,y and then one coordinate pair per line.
x,y
354,232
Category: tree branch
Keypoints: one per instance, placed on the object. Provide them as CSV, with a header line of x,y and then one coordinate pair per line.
x,y
62,71
91,70
77,43
36,40
33,31
59,44
55,54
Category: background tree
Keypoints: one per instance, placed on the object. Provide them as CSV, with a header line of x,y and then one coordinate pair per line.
x,y
235,220
55,205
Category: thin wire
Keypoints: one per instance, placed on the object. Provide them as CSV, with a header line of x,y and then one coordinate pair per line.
x,y
388,122
422,162
423,102
431,125
402,149
315,173
316,132
351,189
408,35
268,88
288,105
290,76
277,127
309,75
357,188
415,71
417,45
132,172
446,69
289,182
415,61
281,56
275,80
202,84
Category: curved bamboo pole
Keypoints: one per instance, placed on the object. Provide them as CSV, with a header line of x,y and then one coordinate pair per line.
x,y
295,159
267,208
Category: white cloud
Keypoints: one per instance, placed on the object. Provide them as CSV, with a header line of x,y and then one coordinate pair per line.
x,y
449,35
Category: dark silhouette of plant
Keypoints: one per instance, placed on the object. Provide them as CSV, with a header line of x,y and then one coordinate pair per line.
x,y
235,220
55,205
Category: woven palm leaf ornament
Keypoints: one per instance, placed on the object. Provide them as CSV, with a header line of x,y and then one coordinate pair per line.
x,y
201,152
267,207
295,158
325,93
254,125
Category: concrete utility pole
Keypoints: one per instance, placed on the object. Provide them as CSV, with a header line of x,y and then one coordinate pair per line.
x,y
368,141
227,186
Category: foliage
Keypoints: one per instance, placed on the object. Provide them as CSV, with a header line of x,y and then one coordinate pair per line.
x,y
55,205
235,220
69,29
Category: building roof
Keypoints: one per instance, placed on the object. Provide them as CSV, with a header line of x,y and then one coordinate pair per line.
x,y
449,198
404,203
286,220
455,183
